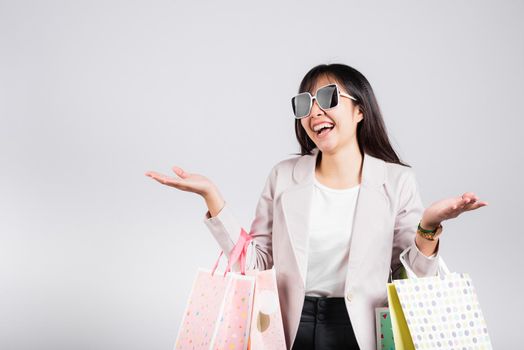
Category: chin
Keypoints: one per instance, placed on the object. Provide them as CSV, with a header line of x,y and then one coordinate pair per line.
x,y
326,148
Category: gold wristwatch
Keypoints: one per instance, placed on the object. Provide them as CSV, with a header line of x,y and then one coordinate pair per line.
x,y
429,234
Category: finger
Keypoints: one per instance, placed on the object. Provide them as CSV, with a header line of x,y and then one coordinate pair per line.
x,y
164,179
167,180
473,205
180,172
153,174
467,200
150,173
460,203
477,205
468,195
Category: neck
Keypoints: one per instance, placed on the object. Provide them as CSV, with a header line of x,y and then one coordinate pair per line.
x,y
342,166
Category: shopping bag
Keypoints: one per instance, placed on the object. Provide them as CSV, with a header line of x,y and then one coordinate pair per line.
x,y
219,309
201,312
234,317
401,336
435,312
267,329
384,329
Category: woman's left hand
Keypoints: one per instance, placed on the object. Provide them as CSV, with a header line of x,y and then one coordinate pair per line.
x,y
449,208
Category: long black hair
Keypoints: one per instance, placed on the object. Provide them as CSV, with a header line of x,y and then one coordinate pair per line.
x,y
372,136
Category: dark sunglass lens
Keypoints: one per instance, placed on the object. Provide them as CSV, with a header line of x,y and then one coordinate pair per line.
x,y
327,97
301,105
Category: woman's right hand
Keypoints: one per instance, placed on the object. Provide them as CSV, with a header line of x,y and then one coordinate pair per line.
x,y
184,181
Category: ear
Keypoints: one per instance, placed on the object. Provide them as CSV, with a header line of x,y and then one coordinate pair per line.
x,y
358,114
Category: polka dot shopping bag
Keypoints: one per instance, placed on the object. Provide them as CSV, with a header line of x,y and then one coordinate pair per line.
x,y
439,312
218,312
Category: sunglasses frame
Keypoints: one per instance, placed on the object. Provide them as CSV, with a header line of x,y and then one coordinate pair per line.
x,y
339,93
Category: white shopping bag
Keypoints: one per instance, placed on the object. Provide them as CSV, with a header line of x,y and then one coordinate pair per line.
x,y
439,312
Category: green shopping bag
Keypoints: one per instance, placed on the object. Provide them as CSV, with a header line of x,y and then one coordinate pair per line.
x,y
385,340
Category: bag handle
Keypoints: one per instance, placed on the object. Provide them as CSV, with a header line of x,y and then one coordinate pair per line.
x,y
238,253
442,267
253,256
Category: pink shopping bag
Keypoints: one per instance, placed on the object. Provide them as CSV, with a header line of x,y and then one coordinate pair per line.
x,y
218,312
267,329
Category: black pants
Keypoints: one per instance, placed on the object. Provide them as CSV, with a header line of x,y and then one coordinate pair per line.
x,y
324,325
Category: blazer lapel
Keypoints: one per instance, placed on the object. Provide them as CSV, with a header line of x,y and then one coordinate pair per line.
x,y
296,206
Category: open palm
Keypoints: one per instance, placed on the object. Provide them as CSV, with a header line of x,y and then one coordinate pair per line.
x,y
184,181
450,208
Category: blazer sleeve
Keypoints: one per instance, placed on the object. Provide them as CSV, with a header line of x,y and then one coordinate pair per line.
x,y
406,223
226,229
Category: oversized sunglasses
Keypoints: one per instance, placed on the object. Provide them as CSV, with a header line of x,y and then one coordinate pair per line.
x,y
327,97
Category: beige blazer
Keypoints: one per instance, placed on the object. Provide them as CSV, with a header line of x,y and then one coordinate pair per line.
x,y
387,213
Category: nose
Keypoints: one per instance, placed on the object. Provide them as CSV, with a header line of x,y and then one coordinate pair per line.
x,y
315,109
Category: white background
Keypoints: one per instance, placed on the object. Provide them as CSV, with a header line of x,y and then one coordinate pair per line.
x,y
95,255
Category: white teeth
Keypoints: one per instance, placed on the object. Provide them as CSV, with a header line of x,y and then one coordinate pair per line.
x,y
320,126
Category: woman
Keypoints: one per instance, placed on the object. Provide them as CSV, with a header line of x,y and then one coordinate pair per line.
x,y
334,220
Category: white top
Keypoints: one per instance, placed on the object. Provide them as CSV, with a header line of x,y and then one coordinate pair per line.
x,y
331,222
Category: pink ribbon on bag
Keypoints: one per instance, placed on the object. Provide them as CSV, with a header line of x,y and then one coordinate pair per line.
x,y
239,252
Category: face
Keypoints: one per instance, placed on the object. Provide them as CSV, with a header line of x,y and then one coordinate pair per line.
x,y
345,116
